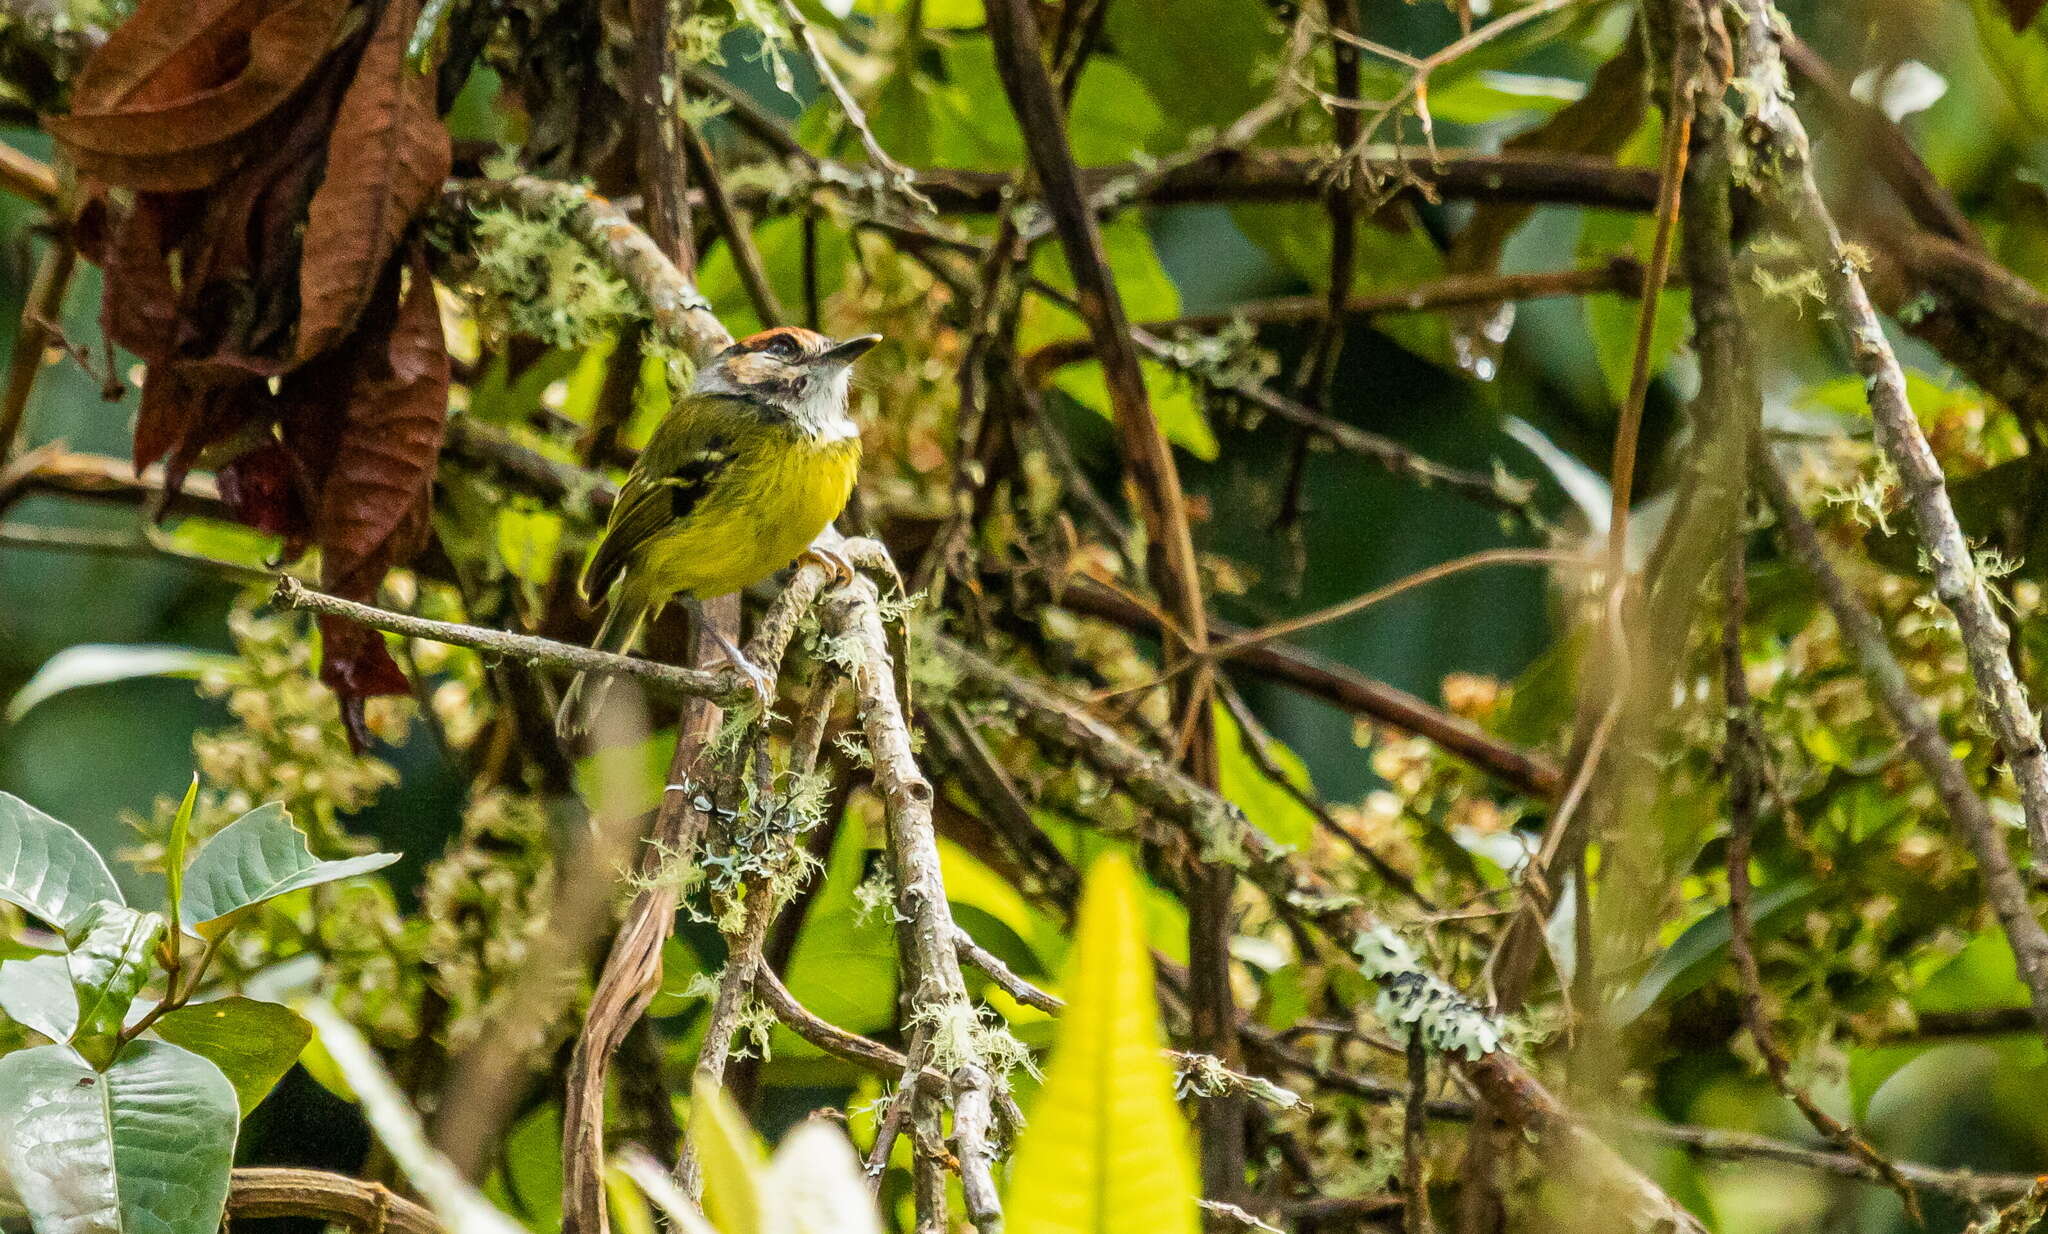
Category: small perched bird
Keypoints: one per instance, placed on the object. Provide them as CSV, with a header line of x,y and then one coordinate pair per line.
x,y
736,483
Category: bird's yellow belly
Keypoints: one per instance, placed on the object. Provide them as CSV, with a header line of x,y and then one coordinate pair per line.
x,y
754,524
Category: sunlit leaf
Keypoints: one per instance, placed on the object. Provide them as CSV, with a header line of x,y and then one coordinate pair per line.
x,y
258,857
1268,805
37,994
732,1163
1106,1150
174,855
112,948
819,1183
47,868
253,1043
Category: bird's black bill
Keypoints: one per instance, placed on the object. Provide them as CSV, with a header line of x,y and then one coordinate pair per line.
x,y
850,350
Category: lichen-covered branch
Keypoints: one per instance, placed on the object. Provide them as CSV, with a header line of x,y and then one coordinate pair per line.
x,y
1780,147
947,1020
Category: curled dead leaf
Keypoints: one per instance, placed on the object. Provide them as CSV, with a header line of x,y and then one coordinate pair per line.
x,y
176,98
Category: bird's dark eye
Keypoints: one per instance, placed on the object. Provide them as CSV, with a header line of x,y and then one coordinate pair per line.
x,y
783,346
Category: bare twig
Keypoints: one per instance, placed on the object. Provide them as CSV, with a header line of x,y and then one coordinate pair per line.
x,y
724,685
1415,1141
45,304
1621,276
1501,492
29,179
1344,687
900,177
1746,751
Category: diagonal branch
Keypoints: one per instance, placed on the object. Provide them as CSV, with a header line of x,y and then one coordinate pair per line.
x,y
1013,28
1781,148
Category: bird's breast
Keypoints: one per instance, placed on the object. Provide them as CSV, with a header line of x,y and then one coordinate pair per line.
x,y
764,512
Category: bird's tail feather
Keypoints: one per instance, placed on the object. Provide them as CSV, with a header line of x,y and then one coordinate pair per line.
x,y
586,693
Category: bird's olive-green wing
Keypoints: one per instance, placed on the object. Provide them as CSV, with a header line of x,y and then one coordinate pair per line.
x,y
680,465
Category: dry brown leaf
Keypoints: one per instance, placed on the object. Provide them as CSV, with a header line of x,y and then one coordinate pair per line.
x,y
385,164
174,99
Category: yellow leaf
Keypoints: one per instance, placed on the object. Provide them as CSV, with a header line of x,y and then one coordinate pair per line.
x,y
732,1162
1106,1150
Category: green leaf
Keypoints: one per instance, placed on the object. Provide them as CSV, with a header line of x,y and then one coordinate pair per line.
x,y
960,116
935,15
258,857
732,1161
109,962
47,868
1686,964
2018,58
1106,1151
142,1148
1148,294
95,664
174,854
1611,320
36,993
1203,73
253,1043
1269,805
845,961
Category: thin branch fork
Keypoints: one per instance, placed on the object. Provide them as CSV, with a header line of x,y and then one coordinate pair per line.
x,y
1525,770
852,615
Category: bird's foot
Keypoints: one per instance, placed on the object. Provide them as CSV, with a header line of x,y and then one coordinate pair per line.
x,y
836,565
759,680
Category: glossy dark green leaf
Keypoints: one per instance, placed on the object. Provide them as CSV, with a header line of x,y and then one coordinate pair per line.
x,y
258,857
144,1147
1687,963
253,1043
47,868
1204,72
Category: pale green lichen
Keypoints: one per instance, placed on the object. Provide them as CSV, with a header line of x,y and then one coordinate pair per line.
x,y
874,898
532,277
1205,1075
1413,999
959,1035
